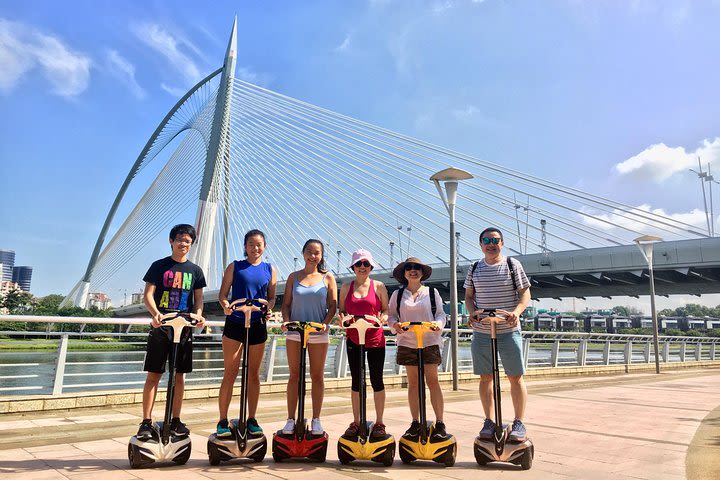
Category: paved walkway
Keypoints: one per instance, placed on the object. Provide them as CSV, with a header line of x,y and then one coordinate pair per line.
x,y
634,426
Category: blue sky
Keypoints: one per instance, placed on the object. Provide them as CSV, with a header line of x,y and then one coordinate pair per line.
x,y
618,97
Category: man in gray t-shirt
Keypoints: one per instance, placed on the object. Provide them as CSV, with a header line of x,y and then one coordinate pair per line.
x,y
498,282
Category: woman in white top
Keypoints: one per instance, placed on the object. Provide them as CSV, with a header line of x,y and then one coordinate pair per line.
x,y
416,306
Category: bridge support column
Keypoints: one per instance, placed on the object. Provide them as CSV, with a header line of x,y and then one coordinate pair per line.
x,y
628,353
582,353
555,354
271,359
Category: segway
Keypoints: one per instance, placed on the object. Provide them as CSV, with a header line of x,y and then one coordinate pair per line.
x,y
363,446
500,448
301,443
163,446
242,443
427,445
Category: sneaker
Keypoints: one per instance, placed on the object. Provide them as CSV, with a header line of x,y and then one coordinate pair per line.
x,y
518,433
414,429
316,427
488,429
352,430
223,429
178,428
440,429
145,432
378,430
289,427
252,426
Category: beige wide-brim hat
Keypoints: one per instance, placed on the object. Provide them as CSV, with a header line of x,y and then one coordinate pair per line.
x,y
399,271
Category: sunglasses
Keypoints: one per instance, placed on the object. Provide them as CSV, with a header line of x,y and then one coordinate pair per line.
x,y
362,263
489,240
413,266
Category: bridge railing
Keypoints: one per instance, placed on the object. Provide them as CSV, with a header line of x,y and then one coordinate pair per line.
x,y
113,360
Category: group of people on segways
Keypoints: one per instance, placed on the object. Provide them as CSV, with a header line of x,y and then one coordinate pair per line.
x,y
496,288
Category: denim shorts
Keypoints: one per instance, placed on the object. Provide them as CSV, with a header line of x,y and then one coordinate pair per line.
x,y
509,347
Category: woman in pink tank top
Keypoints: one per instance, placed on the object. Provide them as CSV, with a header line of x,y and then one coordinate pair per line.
x,y
365,296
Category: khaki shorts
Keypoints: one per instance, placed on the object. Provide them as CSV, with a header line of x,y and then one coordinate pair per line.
x,y
408,356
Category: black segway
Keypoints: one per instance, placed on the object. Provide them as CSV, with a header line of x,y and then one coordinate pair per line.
x,y
301,443
427,445
163,446
362,446
242,443
500,448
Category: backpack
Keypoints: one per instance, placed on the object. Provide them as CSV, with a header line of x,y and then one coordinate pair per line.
x,y
433,306
510,267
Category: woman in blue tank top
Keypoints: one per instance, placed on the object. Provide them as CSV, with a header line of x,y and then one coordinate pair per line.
x,y
310,296
249,278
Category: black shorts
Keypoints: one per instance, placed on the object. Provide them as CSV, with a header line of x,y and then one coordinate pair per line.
x,y
159,346
408,356
236,331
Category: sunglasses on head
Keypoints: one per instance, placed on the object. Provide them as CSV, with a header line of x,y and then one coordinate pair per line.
x,y
413,266
489,240
362,263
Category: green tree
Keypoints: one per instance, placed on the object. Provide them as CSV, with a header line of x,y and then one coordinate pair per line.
x,y
48,305
16,301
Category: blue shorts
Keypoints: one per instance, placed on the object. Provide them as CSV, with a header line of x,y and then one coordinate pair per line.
x,y
510,350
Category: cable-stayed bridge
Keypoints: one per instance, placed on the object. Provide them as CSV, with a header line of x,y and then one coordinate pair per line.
x,y
241,156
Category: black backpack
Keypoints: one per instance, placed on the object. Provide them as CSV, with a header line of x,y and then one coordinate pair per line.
x,y
510,267
433,306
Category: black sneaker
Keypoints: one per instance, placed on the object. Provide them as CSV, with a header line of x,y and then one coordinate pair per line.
x,y
145,432
252,426
414,429
440,429
178,428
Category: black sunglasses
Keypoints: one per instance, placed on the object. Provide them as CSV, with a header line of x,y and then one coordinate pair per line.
x,y
489,240
362,263
413,266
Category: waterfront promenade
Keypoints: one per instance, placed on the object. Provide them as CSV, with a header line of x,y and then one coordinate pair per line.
x,y
626,426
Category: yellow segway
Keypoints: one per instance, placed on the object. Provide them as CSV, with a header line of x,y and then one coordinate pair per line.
x,y
427,444
363,446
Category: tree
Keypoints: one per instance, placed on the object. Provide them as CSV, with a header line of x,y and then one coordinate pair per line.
x,y
48,305
16,301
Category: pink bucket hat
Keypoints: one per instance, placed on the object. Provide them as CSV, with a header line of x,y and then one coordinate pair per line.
x,y
362,254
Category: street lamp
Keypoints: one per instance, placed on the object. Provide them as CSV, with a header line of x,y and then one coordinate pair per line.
x,y
450,177
645,244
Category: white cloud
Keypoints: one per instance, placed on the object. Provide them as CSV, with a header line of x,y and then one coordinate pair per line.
x,y
174,91
125,72
659,162
626,221
465,113
247,75
344,45
170,46
23,48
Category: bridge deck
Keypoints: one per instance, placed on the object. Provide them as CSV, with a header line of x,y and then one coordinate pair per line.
x,y
635,426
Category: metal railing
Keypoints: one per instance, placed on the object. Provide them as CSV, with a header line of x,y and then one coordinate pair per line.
x,y
65,369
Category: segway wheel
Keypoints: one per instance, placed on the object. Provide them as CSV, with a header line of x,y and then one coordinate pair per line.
x,y
406,457
320,455
184,456
343,456
389,456
260,454
449,457
213,454
134,456
526,459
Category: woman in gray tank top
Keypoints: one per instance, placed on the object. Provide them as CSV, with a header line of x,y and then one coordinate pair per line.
x,y
310,296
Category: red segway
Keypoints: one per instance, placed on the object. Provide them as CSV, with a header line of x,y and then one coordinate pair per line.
x,y
242,443
301,443
500,448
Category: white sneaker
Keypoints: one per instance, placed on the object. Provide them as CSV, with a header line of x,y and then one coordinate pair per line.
x,y
289,427
316,427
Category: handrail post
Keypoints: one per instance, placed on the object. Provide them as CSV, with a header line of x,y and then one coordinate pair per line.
x,y
582,352
526,351
606,353
555,354
340,358
446,357
683,345
666,351
712,350
271,360
60,365
628,352
698,351
646,352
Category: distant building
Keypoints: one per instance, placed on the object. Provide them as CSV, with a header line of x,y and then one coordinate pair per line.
x,y
7,260
22,275
99,300
5,288
136,298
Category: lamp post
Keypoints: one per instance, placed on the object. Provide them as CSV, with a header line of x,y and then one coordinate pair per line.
x,y
450,177
645,244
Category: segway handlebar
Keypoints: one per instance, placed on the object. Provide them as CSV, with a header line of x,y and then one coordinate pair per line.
x,y
361,323
419,329
178,320
247,306
492,316
301,327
